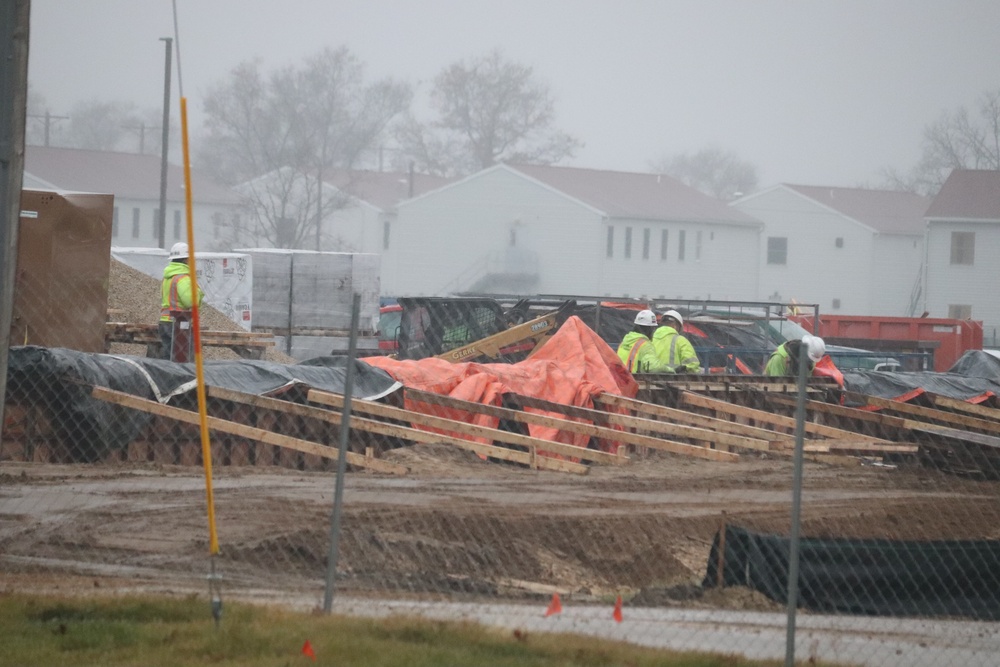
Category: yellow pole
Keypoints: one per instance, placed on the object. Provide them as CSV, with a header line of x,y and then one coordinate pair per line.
x,y
206,449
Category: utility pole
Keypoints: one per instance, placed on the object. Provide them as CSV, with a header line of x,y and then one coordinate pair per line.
x,y
14,23
165,143
47,118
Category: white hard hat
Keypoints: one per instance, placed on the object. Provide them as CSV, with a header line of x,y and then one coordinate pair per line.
x,y
815,347
179,251
674,315
646,318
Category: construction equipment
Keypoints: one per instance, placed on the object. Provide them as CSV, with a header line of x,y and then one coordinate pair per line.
x,y
465,329
527,337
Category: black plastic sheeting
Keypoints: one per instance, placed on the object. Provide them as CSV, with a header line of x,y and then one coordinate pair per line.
x,y
867,577
60,380
975,373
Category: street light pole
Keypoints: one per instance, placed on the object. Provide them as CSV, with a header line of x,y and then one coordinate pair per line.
x,y
165,143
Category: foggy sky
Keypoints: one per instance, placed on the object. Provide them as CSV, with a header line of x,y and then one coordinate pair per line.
x,y
813,92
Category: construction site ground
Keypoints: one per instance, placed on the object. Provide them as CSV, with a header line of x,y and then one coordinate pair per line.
x,y
456,526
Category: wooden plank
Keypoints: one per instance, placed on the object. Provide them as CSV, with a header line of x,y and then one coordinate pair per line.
x,y
396,431
964,406
641,424
260,435
528,418
454,426
702,421
604,432
931,415
843,411
764,417
989,441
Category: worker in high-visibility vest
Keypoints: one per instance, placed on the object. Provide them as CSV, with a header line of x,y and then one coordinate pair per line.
x,y
785,360
636,349
672,347
175,296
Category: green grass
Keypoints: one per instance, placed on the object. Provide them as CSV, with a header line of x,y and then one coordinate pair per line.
x,y
153,631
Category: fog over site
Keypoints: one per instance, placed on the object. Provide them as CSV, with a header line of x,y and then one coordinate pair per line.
x,y
824,93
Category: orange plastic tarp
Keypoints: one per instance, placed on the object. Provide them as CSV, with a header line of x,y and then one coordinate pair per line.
x,y
571,368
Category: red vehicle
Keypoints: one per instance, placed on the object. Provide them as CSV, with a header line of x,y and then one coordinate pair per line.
x,y
388,328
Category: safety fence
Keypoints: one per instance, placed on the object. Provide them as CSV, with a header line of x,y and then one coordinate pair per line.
x,y
551,494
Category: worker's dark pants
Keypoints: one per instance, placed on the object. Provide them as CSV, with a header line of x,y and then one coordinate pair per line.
x,y
175,339
166,338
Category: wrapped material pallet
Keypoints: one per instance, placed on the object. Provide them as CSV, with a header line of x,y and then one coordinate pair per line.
x,y
308,295
226,278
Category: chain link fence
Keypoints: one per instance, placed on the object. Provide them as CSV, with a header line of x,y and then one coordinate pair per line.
x,y
551,494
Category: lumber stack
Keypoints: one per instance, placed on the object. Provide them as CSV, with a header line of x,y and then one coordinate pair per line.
x,y
247,344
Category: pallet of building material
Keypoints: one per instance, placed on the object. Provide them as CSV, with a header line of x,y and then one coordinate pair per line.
x,y
247,344
225,426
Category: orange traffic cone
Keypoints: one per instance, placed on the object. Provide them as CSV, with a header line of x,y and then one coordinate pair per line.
x,y
555,606
307,650
618,610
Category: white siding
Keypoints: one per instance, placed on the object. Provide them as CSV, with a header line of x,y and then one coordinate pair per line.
x,y
974,285
725,268
897,273
204,228
817,270
446,240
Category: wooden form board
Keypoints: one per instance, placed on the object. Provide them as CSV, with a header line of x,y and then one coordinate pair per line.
x,y
593,430
395,430
533,445
242,430
763,417
690,418
930,415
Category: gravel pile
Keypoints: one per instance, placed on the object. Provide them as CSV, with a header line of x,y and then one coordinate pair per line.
x,y
135,298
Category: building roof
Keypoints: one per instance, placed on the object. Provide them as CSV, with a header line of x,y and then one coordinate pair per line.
x,y
125,175
968,194
383,189
885,211
633,195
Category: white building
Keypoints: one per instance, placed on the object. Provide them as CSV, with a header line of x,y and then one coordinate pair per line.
x,y
963,244
850,250
560,230
134,180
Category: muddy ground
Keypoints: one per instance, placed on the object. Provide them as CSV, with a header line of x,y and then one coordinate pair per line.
x,y
456,527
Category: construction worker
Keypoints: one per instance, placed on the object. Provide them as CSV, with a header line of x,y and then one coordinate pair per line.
x,y
785,360
672,348
636,350
175,298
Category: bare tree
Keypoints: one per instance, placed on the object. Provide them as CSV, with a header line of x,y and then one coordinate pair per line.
x,y
956,140
278,133
721,174
488,110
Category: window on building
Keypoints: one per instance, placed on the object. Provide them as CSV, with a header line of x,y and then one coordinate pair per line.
x,y
959,312
135,223
156,223
697,245
628,242
963,248
177,225
839,242
836,304
114,222
217,225
386,228
611,242
663,244
645,243
680,245
777,250
512,240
